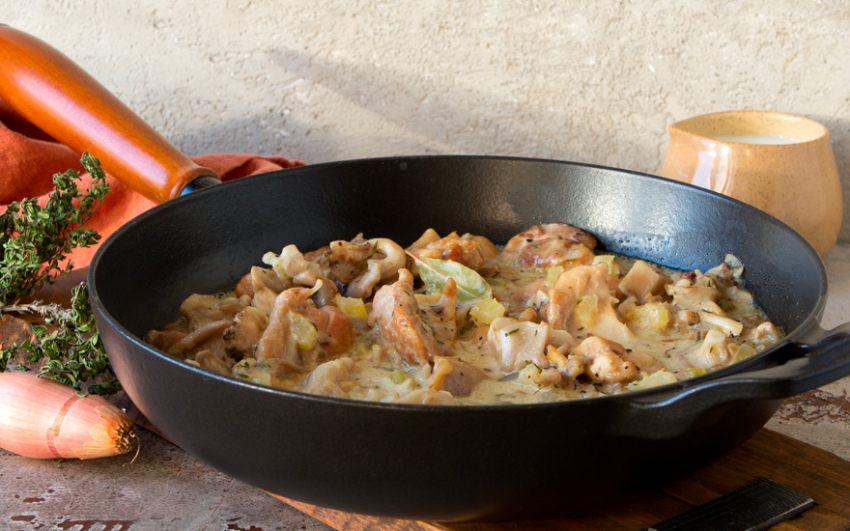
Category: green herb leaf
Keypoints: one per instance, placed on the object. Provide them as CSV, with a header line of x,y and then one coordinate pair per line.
x,y
35,240
471,288
35,244
68,349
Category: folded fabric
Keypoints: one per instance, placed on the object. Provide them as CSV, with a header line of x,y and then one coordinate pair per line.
x,y
29,158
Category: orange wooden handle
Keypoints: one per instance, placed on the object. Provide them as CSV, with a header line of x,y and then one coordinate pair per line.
x,y
55,94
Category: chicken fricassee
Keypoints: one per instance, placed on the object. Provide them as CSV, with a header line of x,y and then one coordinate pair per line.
x,y
457,320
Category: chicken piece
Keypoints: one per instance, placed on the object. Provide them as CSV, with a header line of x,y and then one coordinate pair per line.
x,y
245,332
527,294
455,376
244,288
439,314
277,341
487,247
335,330
299,334
606,364
515,344
580,303
397,314
464,251
642,281
549,245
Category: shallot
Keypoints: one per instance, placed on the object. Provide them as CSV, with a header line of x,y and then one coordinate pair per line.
x,y
43,419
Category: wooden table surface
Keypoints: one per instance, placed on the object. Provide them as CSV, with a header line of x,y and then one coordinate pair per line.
x,y
807,447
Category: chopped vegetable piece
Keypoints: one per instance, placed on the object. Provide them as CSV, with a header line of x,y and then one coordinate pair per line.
x,y
586,310
485,311
351,306
552,275
263,378
527,374
655,379
650,315
744,351
304,331
613,267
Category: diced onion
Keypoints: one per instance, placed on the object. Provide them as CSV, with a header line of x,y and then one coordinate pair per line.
x,y
304,331
744,351
552,275
586,310
486,311
655,379
351,306
693,372
263,378
527,374
650,315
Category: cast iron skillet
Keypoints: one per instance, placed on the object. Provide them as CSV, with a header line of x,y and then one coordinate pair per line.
x,y
430,462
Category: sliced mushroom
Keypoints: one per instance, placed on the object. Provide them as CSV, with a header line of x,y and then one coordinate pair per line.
x,y
388,258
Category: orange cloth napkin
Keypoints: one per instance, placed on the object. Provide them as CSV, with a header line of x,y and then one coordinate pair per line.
x,y
29,158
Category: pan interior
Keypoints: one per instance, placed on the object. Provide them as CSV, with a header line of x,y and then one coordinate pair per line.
x,y
204,242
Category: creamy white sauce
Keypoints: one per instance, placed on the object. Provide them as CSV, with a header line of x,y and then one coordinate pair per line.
x,y
378,374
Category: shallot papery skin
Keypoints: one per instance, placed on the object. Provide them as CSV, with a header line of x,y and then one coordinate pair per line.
x,y
43,419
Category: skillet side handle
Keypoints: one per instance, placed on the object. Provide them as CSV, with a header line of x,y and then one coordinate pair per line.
x,y
667,415
55,94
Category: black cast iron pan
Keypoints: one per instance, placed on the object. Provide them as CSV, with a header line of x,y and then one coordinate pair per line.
x,y
450,463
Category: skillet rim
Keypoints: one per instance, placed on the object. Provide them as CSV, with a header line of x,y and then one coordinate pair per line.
x,y
807,325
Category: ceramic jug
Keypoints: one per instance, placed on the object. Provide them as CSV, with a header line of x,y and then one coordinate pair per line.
x,y
780,163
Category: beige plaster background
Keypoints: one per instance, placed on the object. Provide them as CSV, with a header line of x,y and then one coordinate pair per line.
x,y
323,80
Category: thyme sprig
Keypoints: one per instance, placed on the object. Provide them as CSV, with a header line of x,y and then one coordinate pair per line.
x,y
36,241
67,348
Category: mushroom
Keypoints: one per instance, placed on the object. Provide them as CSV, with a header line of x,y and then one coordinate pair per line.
x,y
292,264
378,269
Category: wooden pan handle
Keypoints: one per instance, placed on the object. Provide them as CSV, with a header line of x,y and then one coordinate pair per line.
x,y
55,94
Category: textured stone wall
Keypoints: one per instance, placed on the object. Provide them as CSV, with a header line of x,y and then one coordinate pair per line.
x,y
324,80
